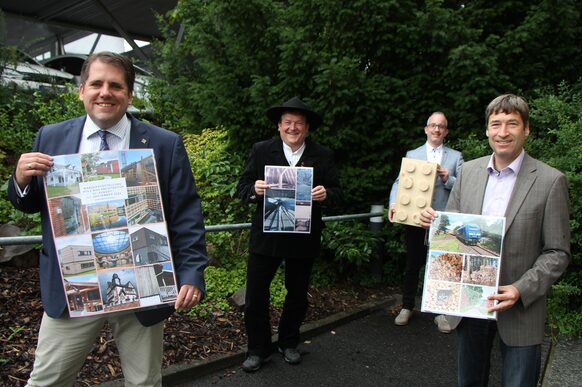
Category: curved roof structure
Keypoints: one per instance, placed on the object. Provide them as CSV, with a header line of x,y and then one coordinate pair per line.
x,y
49,24
110,242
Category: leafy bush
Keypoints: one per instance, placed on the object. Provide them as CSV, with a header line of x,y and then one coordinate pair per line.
x,y
222,282
557,139
21,114
351,246
217,171
565,310
375,69
17,132
394,254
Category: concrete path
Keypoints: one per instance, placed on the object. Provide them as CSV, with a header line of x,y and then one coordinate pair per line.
x,y
363,347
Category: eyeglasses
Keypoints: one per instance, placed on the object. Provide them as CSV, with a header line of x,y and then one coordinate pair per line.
x,y
288,123
439,126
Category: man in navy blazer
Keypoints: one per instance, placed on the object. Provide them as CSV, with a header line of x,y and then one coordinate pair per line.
x,y
449,163
63,343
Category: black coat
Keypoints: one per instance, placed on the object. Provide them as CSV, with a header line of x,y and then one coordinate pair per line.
x,y
288,245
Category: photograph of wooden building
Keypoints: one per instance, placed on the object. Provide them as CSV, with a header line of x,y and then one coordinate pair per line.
x,y
149,247
138,168
156,283
83,296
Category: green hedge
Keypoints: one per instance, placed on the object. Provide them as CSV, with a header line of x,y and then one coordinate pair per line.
x,y
556,138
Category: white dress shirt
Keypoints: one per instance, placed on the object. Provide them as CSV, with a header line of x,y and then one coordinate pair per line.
x,y
117,136
434,155
293,156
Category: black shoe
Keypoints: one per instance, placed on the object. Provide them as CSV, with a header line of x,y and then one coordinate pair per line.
x,y
291,355
254,362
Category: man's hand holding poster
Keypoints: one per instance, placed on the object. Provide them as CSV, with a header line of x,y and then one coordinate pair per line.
x,y
463,263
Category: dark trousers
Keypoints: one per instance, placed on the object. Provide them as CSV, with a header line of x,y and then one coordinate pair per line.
x,y
416,252
521,365
260,272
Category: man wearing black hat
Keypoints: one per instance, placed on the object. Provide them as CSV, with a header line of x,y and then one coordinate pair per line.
x,y
268,250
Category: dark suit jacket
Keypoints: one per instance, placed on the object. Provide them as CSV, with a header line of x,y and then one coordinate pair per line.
x,y
288,245
181,208
536,246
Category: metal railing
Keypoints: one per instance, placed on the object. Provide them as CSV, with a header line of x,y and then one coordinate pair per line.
x,y
375,215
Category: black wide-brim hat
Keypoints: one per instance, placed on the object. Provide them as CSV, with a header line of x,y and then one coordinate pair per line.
x,y
295,105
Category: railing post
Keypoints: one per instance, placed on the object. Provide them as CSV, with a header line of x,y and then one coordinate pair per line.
x,y
376,225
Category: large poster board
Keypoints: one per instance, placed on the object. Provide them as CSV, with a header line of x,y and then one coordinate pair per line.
x,y
287,204
462,269
109,230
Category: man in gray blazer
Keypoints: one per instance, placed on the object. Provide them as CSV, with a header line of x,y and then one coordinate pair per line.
x,y
533,197
449,163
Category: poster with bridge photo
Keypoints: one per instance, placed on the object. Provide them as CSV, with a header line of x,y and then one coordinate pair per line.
x,y
287,204
110,233
462,267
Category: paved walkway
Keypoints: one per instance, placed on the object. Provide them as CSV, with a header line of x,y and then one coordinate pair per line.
x,y
364,348
564,364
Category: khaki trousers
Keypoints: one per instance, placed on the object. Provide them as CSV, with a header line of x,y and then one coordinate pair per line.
x,y
64,343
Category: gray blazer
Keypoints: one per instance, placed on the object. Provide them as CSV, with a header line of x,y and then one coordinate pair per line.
x,y
452,160
536,247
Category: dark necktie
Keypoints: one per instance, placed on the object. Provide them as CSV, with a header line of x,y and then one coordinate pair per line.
x,y
104,146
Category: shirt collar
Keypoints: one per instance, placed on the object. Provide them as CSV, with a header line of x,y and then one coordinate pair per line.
x,y
119,129
437,149
288,149
514,167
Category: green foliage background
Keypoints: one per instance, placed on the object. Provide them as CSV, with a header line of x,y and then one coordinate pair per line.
x,y
376,69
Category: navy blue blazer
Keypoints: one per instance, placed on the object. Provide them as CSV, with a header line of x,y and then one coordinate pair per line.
x,y
181,202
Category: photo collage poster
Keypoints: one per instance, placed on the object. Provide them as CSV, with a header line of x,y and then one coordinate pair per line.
x,y
462,267
109,230
287,204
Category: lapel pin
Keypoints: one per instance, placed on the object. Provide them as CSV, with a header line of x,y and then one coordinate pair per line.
x,y
143,140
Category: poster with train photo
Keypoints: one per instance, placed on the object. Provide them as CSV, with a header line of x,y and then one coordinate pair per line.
x,y
462,268
110,233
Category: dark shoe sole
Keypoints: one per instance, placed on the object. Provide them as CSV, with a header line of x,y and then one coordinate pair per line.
x,y
295,362
255,369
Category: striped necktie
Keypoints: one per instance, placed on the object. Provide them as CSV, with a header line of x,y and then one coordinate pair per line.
x,y
104,146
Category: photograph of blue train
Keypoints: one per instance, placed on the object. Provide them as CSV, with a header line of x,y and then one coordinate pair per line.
x,y
463,263
287,204
467,233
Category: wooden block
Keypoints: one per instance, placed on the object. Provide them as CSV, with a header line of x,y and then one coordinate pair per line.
x,y
415,190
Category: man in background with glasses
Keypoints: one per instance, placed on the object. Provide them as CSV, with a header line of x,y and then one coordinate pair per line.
x,y
449,163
